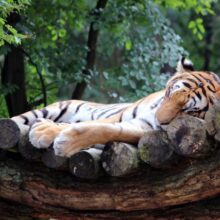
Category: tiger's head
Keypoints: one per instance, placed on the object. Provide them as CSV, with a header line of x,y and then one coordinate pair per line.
x,y
188,91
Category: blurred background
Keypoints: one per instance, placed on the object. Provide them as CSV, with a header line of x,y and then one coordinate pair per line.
x,y
99,50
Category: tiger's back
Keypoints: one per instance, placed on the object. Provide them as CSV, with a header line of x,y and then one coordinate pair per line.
x,y
188,91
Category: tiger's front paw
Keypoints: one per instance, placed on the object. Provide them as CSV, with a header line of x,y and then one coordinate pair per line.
x,y
43,133
73,139
66,144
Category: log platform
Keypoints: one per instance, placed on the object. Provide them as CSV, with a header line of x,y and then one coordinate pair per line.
x,y
173,173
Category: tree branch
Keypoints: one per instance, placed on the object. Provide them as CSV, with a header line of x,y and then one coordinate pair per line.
x,y
43,87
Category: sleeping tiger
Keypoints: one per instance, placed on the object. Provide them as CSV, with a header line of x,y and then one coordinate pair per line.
x,y
73,125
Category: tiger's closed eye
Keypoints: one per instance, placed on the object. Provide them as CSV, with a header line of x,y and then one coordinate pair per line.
x,y
201,85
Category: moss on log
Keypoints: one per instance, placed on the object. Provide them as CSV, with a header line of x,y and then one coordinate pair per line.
x,y
120,159
155,149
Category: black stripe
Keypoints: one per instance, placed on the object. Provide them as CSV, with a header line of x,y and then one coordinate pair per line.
x,y
79,106
134,113
194,101
120,119
114,113
197,78
198,95
187,85
207,80
146,122
203,91
104,112
205,109
62,112
211,101
34,113
210,89
44,112
26,121
193,81
93,114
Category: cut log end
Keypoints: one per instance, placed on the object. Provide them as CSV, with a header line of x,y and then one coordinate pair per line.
x,y
188,136
154,149
9,133
28,151
120,159
212,119
86,164
53,161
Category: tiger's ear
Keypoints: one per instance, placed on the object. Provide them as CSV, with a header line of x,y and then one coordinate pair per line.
x,y
171,107
184,65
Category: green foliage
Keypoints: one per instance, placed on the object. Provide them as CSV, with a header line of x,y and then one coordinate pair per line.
x,y
137,41
141,32
197,28
8,33
200,7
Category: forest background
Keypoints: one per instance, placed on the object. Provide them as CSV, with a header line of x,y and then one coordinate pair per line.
x,y
105,50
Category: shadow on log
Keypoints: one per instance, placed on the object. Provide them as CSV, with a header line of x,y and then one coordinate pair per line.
x,y
188,136
86,164
27,150
120,159
53,161
9,135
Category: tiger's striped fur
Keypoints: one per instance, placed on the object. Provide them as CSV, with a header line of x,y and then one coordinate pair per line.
x,y
73,125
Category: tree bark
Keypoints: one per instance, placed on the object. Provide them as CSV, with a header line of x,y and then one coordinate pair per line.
x,y
86,164
13,74
156,150
91,54
57,194
120,159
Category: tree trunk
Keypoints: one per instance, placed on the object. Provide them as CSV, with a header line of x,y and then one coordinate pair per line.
x,y
13,74
91,54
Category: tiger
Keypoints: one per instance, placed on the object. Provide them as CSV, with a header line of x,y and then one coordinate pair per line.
x,y
72,125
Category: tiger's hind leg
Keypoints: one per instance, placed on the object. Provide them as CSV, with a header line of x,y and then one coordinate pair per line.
x,y
44,131
57,112
82,135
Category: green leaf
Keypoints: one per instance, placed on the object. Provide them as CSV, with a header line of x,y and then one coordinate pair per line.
x,y
128,44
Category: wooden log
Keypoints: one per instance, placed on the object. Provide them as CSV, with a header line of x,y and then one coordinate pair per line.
x,y
206,210
86,164
155,149
28,151
58,192
53,161
212,119
120,159
188,136
9,133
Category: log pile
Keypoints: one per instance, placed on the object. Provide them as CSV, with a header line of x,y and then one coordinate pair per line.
x,y
174,166
185,137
